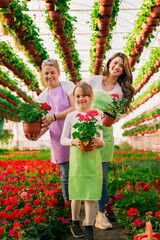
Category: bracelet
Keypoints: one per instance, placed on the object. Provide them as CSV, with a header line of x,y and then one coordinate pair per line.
x,y
54,118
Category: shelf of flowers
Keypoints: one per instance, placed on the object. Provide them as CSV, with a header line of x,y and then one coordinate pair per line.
x,y
148,69
60,23
147,116
11,60
4,113
102,23
142,34
21,27
134,183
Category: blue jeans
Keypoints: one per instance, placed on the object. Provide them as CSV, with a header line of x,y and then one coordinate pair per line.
x,y
105,197
64,171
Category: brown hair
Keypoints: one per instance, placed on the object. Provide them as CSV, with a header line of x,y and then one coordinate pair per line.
x,y
51,62
86,89
125,80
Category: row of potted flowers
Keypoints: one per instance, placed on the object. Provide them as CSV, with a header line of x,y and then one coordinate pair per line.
x,y
102,23
7,114
144,117
145,129
142,33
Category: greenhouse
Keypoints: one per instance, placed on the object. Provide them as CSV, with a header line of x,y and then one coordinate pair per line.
x,y
66,66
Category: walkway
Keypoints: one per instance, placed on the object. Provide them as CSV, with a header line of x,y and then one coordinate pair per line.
x,y
111,234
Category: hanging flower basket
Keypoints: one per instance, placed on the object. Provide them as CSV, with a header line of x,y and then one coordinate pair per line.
x,y
108,120
55,15
87,147
4,3
155,11
152,21
105,10
107,2
31,128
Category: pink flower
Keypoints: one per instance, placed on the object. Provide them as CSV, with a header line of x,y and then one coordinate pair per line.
x,y
139,223
23,194
119,196
63,220
149,213
27,221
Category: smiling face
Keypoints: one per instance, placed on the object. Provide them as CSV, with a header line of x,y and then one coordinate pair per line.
x,y
116,67
83,101
51,76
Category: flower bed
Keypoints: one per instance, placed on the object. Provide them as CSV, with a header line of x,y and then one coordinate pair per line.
x,y
32,205
134,181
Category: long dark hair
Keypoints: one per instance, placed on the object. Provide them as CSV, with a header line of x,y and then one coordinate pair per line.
x,y
125,80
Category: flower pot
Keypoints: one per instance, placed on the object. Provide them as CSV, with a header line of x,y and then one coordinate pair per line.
x,y
104,32
88,147
146,27
59,24
141,40
103,26
50,1
155,11
108,120
105,20
145,34
58,31
32,128
152,21
101,40
4,3
105,10
107,2
55,15
10,22
9,15
50,6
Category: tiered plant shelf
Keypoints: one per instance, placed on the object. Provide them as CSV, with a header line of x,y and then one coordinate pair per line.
x,y
60,23
102,23
148,19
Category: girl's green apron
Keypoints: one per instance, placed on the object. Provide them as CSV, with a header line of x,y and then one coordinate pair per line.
x,y
101,99
85,174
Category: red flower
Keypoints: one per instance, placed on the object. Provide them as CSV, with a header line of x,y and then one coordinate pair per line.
x,y
52,202
40,211
67,203
115,95
133,212
119,196
28,210
1,231
157,214
145,188
40,219
45,106
37,202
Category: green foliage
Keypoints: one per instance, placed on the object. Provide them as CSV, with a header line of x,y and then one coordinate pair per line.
x,y
6,135
31,113
116,107
1,126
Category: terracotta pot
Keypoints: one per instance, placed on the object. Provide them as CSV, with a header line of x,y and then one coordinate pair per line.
x,y
32,128
152,21
146,27
62,42
157,2
4,3
97,71
145,34
105,10
102,26
107,2
138,48
20,34
59,24
50,6
10,22
101,40
50,1
9,15
30,48
108,120
105,20
141,40
155,11
133,59
104,32
88,147
55,15
58,31
62,37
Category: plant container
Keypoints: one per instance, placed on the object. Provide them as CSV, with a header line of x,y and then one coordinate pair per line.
x,y
10,22
108,120
50,6
152,21
88,147
147,28
101,40
105,20
141,40
104,32
4,3
107,2
9,15
50,1
155,11
31,128
55,15
145,34
105,10
59,24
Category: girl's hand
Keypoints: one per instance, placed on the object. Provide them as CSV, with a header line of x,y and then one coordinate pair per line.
x,y
76,142
101,113
97,143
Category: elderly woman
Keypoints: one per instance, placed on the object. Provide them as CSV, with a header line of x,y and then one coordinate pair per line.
x,y
115,79
59,96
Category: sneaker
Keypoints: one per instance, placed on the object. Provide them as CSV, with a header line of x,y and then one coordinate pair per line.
x,y
102,222
89,233
76,230
109,213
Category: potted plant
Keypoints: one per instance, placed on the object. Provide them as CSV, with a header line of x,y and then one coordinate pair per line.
x,y
115,108
86,129
31,115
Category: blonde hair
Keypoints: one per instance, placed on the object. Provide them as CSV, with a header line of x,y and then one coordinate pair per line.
x,y
86,89
125,79
51,62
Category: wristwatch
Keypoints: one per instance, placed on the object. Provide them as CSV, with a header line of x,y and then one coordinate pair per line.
x,y
54,118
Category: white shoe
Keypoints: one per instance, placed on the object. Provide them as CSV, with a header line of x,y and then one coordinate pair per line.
x,y
102,222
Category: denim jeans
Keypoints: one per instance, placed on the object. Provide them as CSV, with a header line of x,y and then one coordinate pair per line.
x,y
64,171
105,197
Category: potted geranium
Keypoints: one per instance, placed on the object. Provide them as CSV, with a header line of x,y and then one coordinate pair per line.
x,y
86,129
32,115
115,108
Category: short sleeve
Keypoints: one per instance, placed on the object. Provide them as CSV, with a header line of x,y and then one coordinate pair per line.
x,y
68,87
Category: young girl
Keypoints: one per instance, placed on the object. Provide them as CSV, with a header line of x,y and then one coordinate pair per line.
x,y
85,168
